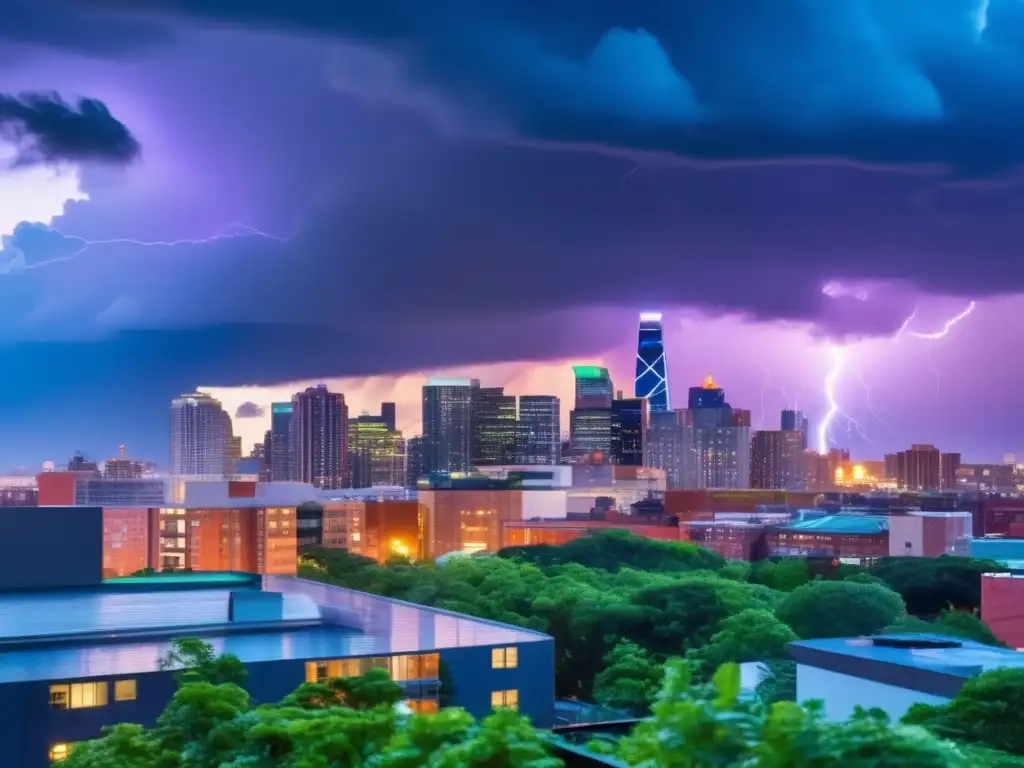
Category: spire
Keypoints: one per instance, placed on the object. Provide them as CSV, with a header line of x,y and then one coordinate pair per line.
x,y
709,383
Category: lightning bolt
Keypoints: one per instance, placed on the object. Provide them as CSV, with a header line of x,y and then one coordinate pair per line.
x,y
233,231
764,386
839,359
875,410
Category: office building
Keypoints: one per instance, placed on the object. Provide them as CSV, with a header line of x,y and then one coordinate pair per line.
x,y
856,539
628,431
280,455
413,460
122,467
923,468
95,645
376,453
1002,595
795,421
721,447
776,459
447,425
651,372
539,430
388,415
234,454
670,447
590,422
320,437
92,489
79,463
200,431
493,438
889,672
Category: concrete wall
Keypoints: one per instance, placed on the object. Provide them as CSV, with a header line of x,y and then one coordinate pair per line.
x,y
842,693
51,547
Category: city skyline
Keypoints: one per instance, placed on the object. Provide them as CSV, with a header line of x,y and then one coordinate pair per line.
x,y
168,241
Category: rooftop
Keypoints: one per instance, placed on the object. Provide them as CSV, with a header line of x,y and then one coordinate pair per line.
x,y
852,524
125,628
933,664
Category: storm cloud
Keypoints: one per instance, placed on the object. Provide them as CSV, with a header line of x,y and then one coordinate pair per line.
x,y
43,128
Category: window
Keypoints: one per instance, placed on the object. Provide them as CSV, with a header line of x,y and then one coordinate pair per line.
x,y
78,695
423,706
505,658
124,690
508,699
421,666
60,752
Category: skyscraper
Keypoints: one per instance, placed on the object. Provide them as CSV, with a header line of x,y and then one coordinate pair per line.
x,y
320,437
387,413
651,374
447,425
413,460
200,429
629,430
376,454
540,429
795,421
721,447
670,447
590,422
280,457
493,427
776,460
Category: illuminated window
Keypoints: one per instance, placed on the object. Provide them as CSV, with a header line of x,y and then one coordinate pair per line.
x,y
505,658
78,695
507,699
60,752
423,706
421,666
124,690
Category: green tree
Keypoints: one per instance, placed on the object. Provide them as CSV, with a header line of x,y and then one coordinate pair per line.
x,y
989,709
778,682
754,634
630,680
953,623
374,689
930,585
195,661
840,609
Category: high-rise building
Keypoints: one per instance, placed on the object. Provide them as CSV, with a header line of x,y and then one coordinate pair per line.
x,y
376,454
387,413
280,456
741,417
540,429
234,454
651,374
320,440
590,422
493,427
795,421
670,447
413,460
594,388
79,463
122,467
721,447
921,468
447,425
200,428
776,460
628,431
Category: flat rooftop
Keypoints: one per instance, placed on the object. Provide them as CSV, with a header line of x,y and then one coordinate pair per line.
x,y
113,630
929,663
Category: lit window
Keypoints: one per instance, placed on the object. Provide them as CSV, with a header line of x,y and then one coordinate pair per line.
x,y
423,706
507,699
60,752
124,690
78,695
505,658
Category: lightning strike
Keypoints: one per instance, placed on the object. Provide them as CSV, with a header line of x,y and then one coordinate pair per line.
x,y
235,231
767,383
839,359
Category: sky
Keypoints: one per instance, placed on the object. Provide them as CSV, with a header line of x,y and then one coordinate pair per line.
x,y
251,197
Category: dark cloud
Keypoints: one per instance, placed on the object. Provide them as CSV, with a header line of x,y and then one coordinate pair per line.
x,y
249,410
64,24
43,128
878,81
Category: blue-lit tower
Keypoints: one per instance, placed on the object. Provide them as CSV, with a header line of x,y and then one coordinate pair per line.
x,y
651,374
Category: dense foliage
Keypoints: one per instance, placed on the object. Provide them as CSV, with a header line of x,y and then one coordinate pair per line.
x,y
650,628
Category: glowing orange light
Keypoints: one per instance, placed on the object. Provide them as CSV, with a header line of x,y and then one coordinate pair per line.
x,y
709,383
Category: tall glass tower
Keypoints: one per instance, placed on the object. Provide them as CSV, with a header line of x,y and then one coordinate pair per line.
x,y
651,374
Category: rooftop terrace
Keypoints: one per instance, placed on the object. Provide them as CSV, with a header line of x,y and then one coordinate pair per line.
x,y
113,631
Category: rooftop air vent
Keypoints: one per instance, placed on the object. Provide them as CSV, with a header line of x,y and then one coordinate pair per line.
x,y
913,643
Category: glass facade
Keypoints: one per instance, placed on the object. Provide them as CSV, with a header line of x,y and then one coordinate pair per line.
x,y
402,668
493,427
651,374
447,425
